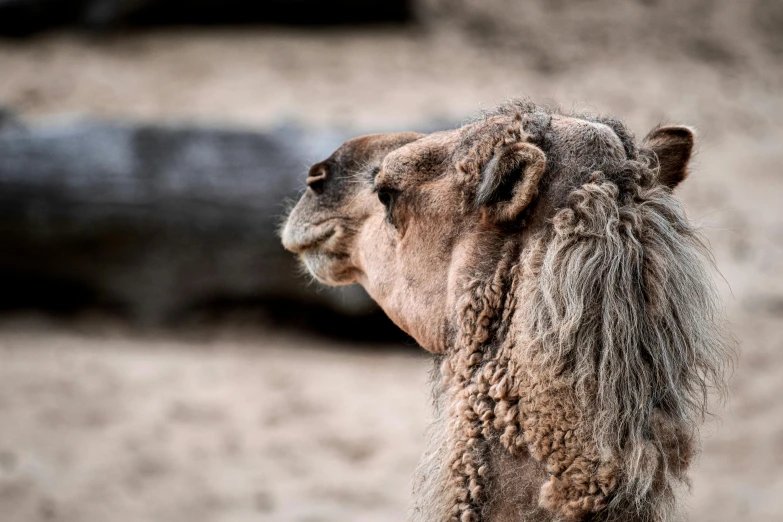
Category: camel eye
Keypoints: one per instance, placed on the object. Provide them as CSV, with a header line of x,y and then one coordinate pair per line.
x,y
385,197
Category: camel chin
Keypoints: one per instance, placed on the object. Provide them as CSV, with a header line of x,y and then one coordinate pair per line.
x,y
327,269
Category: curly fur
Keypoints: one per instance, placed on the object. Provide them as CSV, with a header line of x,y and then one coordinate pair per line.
x,y
591,351
570,299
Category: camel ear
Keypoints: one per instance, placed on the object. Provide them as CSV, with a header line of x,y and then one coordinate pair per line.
x,y
672,148
509,181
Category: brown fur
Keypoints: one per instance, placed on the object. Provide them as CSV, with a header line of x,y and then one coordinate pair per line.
x,y
545,260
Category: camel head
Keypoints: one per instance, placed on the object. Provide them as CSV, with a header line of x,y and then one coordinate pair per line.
x,y
546,258
408,215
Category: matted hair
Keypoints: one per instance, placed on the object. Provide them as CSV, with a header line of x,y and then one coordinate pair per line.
x,y
619,299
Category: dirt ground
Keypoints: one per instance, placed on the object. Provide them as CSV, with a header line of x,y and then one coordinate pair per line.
x,y
101,423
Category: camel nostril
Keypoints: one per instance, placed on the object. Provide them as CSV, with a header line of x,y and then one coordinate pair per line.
x,y
316,179
316,184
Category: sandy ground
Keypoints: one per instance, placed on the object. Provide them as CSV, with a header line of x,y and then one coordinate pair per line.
x,y
99,423
102,426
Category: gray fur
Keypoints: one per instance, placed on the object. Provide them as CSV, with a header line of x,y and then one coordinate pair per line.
x,y
625,305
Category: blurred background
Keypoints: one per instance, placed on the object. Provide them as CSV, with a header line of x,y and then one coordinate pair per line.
x,y
163,359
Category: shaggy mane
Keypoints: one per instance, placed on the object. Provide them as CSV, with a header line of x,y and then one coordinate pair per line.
x,y
619,302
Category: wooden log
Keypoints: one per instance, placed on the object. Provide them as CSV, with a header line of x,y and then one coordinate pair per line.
x,y
22,17
154,220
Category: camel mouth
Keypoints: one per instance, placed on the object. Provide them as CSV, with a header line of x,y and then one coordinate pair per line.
x,y
322,249
301,239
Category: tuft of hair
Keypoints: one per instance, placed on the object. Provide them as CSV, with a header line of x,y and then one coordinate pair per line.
x,y
431,494
622,302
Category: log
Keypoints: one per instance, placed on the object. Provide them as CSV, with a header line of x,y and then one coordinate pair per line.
x,y
152,220
23,17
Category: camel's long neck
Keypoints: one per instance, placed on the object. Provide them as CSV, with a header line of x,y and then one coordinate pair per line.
x,y
468,472
512,443
452,478
474,382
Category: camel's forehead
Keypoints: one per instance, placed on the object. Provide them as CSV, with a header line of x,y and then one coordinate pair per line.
x,y
436,153
448,144
421,158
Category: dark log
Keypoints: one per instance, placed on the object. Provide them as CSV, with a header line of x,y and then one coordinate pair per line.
x,y
22,17
153,220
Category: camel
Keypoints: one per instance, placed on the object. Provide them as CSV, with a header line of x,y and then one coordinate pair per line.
x,y
570,304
